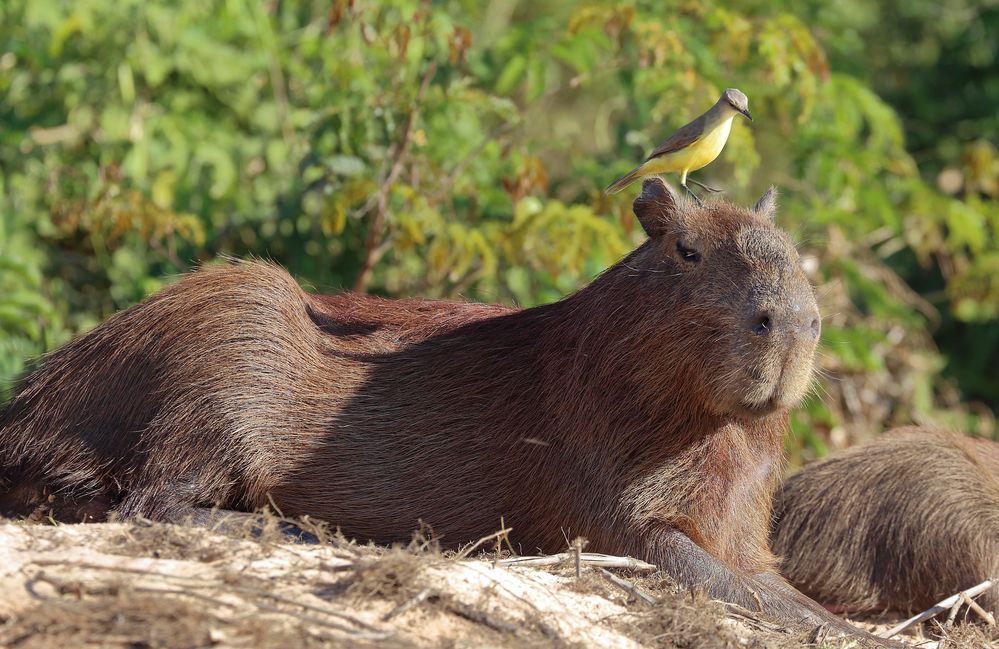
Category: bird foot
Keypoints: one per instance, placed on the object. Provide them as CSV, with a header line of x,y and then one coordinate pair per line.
x,y
690,192
707,188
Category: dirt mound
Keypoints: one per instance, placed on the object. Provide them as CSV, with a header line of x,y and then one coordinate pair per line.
x,y
152,585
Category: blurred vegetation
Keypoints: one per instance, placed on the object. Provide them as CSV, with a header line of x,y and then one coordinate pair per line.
x,y
460,148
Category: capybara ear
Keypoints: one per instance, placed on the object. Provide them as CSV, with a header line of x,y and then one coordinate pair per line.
x,y
655,207
767,205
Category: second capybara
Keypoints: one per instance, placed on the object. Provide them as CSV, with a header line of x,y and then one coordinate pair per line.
x,y
645,412
899,523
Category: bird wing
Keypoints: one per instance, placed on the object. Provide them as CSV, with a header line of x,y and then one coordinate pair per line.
x,y
684,137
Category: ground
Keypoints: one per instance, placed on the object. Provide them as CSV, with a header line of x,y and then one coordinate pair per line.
x,y
142,585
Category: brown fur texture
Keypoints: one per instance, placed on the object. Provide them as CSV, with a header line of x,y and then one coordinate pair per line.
x,y
899,523
645,412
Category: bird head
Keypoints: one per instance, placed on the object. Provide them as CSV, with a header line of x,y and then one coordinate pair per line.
x,y
738,101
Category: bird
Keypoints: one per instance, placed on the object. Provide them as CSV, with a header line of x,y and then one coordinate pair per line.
x,y
693,146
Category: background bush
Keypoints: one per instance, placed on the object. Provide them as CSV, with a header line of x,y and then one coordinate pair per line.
x,y
460,148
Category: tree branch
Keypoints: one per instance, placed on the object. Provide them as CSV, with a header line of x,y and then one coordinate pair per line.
x,y
381,206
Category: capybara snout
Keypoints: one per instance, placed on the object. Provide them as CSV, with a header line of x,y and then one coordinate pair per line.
x,y
781,326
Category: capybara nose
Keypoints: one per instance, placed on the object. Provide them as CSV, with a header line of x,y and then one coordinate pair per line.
x,y
814,325
807,325
807,321
761,324
764,323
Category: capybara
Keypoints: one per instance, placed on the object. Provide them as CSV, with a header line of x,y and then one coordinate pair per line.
x,y
899,523
645,412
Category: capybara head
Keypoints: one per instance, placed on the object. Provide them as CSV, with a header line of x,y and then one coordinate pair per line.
x,y
742,318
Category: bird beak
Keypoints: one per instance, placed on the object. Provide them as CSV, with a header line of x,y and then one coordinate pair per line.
x,y
746,113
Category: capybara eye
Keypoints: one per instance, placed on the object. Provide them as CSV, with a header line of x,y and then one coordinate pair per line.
x,y
687,253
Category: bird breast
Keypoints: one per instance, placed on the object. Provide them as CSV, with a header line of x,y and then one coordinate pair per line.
x,y
705,150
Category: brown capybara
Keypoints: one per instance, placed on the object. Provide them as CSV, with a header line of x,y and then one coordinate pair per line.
x,y
899,523
645,412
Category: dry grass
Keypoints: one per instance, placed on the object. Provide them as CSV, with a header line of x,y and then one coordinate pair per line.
x,y
152,585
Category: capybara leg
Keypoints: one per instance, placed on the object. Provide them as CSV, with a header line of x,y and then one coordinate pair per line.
x,y
164,493
212,518
23,501
692,567
37,503
154,499
93,508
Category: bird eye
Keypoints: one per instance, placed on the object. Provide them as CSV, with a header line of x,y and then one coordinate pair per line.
x,y
687,253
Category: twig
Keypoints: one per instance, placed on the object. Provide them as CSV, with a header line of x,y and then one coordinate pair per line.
x,y
416,600
750,618
278,86
496,535
481,617
589,558
982,613
309,607
953,613
372,634
465,281
936,609
506,539
309,619
496,134
627,586
402,147
193,582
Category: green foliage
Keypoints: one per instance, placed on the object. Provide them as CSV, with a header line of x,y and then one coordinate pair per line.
x,y
935,63
460,148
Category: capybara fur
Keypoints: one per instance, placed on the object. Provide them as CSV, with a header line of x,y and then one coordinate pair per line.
x,y
645,412
899,523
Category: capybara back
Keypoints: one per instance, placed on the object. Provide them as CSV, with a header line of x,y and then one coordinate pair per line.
x,y
898,523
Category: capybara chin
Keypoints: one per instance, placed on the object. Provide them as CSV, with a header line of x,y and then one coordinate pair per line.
x,y
898,523
645,412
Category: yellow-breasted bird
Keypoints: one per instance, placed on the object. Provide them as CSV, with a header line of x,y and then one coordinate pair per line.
x,y
693,146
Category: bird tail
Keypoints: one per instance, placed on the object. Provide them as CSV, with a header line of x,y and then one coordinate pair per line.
x,y
624,180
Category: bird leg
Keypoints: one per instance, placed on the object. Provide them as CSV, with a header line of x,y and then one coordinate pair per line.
x,y
697,199
706,188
